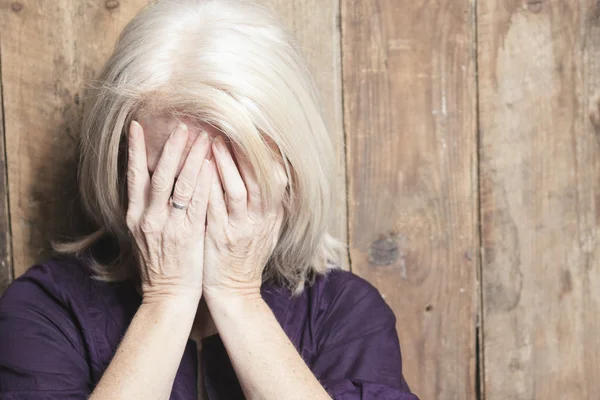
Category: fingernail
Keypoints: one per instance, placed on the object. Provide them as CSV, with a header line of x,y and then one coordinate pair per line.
x,y
219,143
133,130
181,128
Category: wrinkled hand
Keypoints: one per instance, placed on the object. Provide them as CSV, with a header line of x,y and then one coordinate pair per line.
x,y
241,233
169,242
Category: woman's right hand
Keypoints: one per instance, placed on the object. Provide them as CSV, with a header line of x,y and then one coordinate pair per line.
x,y
169,242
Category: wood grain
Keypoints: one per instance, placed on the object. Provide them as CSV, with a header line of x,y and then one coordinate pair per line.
x,y
410,124
315,24
540,197
49,48
6,267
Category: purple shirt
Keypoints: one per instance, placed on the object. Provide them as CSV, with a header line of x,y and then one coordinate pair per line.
x,y
59,329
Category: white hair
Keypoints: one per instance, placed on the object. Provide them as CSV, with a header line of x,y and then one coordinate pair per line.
x,y
231,64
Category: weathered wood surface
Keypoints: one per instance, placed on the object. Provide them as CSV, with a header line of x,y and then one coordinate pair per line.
x,y
48,49
410,125
6,269
315,23
540,197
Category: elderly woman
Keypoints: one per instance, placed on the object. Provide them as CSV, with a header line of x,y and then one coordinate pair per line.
x,y
205,172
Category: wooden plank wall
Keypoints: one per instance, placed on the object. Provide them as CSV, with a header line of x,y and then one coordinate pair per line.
x,y
459,125
48,49
540,197
409,101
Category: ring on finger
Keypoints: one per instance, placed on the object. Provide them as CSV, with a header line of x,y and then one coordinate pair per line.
x,y
177,205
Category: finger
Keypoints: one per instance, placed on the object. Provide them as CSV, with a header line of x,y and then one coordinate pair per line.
x,y
197,210
217,209
281,182
254,206
233,185
138,178
166,168
186,181
278,223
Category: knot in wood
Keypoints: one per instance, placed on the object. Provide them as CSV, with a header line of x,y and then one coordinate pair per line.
x,y
16,6
535,6
111,4
383,251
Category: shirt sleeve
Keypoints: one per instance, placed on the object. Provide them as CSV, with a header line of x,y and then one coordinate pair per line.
x,y
358,354
41,353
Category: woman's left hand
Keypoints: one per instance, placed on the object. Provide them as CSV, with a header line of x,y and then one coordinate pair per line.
x,y
240,237
241,233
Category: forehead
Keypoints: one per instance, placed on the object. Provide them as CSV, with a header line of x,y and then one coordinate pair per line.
x,y
157,128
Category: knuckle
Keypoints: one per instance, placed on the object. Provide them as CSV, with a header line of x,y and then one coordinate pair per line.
x,y
130,220
160,183
237,238
194,224
284,179
238,197
170,236
198,202
149,225
132,174
255,196
283,186
221,243
252,187
214,241
281,175
184,187
281,179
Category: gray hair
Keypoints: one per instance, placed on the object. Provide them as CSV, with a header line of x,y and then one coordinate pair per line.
x,y
228,63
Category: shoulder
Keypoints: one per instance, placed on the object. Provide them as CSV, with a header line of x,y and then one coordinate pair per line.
x,y
57,280
348,301
36,313
357,350
68,281
336,307
71,282
62,288
63,295
337,283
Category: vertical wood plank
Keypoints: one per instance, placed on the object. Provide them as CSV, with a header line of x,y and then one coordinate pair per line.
x,y
6,267
315,23
409,113
540,197
48,49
